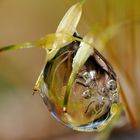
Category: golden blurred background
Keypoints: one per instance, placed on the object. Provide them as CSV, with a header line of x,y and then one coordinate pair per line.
x,y
23,116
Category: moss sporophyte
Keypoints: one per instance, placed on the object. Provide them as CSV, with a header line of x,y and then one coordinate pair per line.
x,y
78,85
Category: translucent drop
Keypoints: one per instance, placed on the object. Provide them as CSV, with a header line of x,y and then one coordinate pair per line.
x,y
86,94
112,85
91,94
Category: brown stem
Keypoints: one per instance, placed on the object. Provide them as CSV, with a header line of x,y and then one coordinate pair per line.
x,y
130,114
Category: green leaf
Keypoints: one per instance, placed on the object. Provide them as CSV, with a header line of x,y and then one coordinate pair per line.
x,y
80,58
70,20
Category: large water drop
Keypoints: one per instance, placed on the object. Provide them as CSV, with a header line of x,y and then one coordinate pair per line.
x,y
93,92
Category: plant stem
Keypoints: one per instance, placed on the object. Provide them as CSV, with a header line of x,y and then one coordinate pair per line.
x,y
131,116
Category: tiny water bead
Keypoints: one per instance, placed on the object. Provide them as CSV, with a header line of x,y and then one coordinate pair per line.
x,y
92,94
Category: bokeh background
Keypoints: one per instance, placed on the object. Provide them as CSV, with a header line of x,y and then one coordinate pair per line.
x,y
23,116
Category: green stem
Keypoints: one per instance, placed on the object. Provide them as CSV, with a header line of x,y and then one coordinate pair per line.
x,y
14,47
68,90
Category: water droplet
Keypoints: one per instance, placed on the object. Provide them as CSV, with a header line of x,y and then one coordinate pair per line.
x,y
87,77
92,74
86,94
112,85
91,94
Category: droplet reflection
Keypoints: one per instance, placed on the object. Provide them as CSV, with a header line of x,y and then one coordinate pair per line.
x,y
94,90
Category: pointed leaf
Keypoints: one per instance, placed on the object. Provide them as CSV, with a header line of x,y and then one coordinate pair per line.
x,y
80,58
83,52
71,19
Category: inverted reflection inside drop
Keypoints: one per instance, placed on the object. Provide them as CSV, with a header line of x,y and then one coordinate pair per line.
x,y
93,92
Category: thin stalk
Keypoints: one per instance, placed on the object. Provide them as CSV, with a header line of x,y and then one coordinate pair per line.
x,y
131,116
68,91
14,47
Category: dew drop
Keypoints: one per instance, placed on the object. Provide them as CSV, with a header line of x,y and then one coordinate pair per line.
x,y
87,77
112,85
92,74
86,94
92,94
